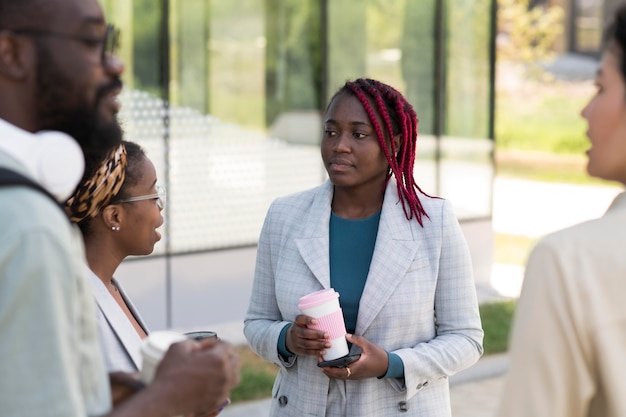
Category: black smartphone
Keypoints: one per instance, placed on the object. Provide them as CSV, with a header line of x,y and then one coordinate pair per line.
x,y
340,362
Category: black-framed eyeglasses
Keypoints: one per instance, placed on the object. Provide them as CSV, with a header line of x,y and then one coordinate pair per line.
x,y
159,196
110,41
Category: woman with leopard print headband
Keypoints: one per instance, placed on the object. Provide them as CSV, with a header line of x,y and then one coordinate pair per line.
x,y
118,210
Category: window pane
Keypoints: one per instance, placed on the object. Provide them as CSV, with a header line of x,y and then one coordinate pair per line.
x,y
466,165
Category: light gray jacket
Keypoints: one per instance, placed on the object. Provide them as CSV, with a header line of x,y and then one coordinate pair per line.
x,y
419,302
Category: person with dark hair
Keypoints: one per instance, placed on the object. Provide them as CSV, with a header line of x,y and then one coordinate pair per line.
x,y
118,210
396,256
59,79
568,343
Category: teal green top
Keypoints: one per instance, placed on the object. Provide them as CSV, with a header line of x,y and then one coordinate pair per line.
x,y
352,244
351,248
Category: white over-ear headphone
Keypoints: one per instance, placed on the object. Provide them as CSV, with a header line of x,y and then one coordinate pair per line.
x,y
53,159
58,162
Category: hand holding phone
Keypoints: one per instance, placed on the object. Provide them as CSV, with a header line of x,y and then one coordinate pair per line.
x,y
340,362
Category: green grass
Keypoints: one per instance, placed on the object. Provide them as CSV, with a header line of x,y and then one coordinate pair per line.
x,y
540,172
539,132
551,125
257,376
545,166
496,318
542,116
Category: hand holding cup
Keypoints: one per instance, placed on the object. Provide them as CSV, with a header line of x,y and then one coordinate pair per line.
x,y
197,376
372,363
323,306
301,340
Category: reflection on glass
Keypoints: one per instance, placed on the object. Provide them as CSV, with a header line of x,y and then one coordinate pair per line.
x,y
244,116
189,56
347,42
121,15
468,68
466,165
391,41
293,71
248,81
418,60
236,61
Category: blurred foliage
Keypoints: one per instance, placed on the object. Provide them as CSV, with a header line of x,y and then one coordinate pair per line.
x,y
528,34
257,376
550,167
550,122
497,318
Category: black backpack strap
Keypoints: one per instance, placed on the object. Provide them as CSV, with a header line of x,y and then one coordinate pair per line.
x,y
12,178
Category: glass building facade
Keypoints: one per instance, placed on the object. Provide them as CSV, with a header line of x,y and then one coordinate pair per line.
x,y
227,98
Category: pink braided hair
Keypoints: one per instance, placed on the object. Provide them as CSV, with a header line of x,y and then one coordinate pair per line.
x,y
395,111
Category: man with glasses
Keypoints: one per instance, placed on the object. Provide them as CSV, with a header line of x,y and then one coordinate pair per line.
x,y
59,81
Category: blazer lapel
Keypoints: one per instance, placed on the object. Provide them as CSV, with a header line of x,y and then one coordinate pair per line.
x,y
313,246
394,252
131,306
117,320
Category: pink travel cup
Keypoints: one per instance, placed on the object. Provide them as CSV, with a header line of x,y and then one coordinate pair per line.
x,y
324,306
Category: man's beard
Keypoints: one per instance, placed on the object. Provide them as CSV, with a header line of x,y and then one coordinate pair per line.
x,y
61,106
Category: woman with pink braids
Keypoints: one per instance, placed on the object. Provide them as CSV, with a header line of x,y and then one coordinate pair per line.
x,y
396,256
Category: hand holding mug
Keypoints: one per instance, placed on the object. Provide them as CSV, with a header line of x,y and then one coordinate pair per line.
x,y
373,362
323,305
301,340
199,375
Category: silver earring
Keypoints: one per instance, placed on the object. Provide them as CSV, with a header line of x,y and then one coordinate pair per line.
x,y
115,228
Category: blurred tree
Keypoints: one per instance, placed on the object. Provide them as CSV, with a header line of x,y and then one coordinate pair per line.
x,y
527,33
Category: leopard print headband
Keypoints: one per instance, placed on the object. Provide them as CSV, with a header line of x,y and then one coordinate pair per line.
x,y
96,192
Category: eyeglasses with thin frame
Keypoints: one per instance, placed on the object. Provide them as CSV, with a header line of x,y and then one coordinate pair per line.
x,y
110,41
159,196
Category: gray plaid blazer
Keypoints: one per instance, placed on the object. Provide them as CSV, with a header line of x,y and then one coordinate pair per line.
x,y
419,302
